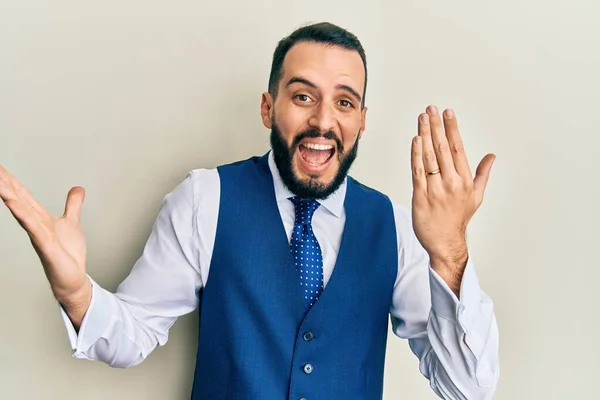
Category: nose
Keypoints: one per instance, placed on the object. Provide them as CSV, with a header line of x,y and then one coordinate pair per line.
x,y
322,118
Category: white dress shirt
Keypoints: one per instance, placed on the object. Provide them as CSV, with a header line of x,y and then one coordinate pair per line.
x,y
456,340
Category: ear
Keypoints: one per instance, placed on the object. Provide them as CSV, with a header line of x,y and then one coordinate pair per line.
x,y
266,109
363,121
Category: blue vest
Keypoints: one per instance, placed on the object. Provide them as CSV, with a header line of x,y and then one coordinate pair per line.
x,y
257,340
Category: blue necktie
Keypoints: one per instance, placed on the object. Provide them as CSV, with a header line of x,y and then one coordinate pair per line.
x,y
306,250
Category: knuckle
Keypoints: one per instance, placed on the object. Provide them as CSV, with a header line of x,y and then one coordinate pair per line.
x,y
454,185
443,147
467,185
429,155
457,186
418,171
437,194
457,148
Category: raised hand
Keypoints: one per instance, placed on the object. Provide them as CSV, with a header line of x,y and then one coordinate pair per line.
x,y
58,241
445,195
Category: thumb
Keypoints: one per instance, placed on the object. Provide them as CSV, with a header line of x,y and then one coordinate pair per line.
x,y
74,203
482,174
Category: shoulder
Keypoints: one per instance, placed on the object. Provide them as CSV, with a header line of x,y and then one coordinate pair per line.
x,y
203,184
409,246
194,189
195,182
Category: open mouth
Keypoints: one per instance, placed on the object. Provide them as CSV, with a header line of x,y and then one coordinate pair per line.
x,y
316,154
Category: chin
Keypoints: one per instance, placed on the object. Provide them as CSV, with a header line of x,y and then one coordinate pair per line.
x,y
313,165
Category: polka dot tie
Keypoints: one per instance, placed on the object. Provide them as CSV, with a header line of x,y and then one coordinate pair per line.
x,y
306,250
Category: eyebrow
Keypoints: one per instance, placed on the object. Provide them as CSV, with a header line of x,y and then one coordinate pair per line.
x,y
346,88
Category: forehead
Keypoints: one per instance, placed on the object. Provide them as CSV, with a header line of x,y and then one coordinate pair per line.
x,y
325,65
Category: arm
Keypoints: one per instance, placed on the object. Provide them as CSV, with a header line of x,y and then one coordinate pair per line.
x,y
455,339
123,328
452,329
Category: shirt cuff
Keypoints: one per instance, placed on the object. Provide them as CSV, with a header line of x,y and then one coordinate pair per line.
x,y
445,303
94,324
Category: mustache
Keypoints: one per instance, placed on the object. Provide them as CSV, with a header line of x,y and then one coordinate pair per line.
x,y
313,133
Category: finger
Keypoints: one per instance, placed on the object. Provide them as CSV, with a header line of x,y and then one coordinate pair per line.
x,y
21,212
25,215
440,143
482,175
429,158
455,144
74,203
7,193
418,169
29,214
20,191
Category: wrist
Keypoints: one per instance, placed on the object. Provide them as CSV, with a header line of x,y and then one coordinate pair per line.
x,y
454,263
76,304
451,266
453,256
68,295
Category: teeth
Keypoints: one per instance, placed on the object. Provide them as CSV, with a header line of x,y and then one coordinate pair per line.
x,y
316,146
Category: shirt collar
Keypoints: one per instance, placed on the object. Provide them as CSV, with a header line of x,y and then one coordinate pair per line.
x,y
334,203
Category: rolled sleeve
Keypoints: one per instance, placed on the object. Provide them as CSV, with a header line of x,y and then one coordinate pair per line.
x,y
94,324
445,303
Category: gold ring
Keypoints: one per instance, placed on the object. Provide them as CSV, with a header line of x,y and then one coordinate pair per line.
x,y
437,171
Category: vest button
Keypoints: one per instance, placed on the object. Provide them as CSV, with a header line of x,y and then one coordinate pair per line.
x,y
308,368
308,336
302,398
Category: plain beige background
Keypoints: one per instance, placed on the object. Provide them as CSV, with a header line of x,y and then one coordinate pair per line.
x,y
124,97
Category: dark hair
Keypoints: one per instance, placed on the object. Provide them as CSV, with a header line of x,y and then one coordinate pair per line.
x,y
323,32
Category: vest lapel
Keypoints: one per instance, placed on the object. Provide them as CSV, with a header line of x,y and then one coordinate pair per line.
x,y
349,252
280,241
349,247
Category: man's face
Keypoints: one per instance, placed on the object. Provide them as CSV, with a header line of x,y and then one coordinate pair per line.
x,y
316,119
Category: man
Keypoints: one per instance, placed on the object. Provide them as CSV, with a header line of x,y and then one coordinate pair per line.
x,y
295,266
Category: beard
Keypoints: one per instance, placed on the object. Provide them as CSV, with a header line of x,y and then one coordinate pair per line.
x,y
311,188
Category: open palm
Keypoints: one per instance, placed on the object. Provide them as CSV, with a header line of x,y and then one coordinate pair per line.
x,y
58,241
